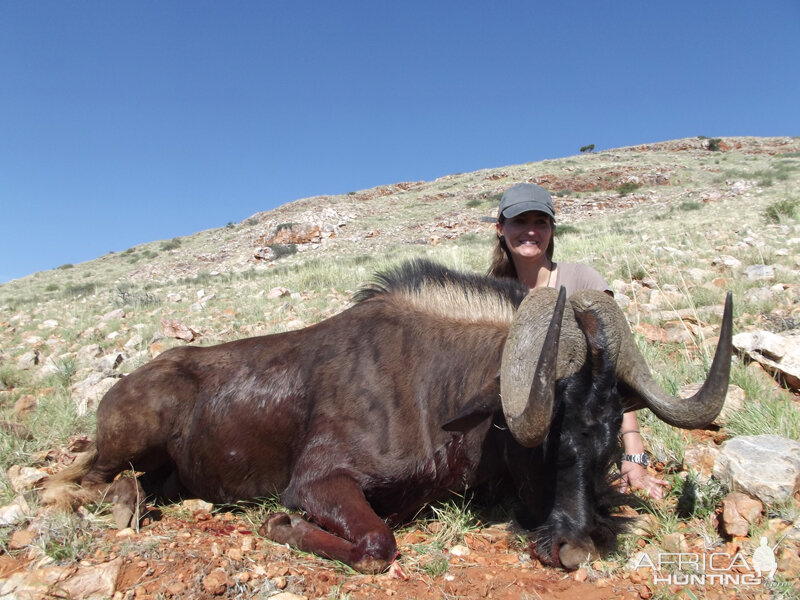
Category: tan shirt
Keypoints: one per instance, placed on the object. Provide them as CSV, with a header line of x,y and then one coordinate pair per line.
x,y
576,277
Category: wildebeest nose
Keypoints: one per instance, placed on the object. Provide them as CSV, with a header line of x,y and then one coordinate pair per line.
x,y
573,554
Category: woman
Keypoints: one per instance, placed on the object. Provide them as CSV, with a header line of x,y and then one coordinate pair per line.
x,y
524,251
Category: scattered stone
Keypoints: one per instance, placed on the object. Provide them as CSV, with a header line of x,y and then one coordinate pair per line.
x,y
649,282
114,315
700,458
196,505
28,360
698,275
14,513
777,353
126,532
277,292
88,353
24,479
459,550
176,329
652,333
109,362
675,542
739,513
760,272
287,596
758,295
740,187
727,261
95,582
764,466
217,582
87,394
22,538
133,342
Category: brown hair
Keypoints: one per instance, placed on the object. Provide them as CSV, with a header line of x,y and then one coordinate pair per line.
x,y
502,265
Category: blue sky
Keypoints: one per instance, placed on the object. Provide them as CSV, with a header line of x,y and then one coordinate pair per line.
x,y
128,122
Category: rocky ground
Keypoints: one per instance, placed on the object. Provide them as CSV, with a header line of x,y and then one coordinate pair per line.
x,y
62,342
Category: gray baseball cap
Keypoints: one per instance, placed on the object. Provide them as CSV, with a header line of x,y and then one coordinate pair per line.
x,y
524,197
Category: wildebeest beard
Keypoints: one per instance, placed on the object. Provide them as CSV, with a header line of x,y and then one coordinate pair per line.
x,y
569,502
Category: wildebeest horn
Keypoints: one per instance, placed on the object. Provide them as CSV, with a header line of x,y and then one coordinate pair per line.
x,y
528,369
636,383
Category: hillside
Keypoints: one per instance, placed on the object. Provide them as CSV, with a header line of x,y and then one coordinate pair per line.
x,y
671,226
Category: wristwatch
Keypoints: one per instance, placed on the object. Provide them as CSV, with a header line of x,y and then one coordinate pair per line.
x,y
642,458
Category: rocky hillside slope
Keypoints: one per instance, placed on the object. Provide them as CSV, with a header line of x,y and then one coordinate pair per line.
x,y
671,225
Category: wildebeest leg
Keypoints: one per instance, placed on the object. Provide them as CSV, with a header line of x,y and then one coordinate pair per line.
x,y
352,534
126,495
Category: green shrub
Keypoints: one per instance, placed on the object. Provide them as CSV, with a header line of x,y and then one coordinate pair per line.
x,y
80,289
780,209
714,144
283,250
627,188
172,244
566,230
129,297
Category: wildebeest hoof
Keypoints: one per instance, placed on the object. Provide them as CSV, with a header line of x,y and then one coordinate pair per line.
x,y
123,515
371,565
571,555
276,527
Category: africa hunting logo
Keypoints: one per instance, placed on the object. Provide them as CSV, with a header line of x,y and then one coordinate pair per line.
x,y
717,568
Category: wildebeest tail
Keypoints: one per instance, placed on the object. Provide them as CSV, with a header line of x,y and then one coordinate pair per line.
x,y
62,490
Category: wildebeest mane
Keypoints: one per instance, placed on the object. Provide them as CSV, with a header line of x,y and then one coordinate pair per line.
x,y
435,289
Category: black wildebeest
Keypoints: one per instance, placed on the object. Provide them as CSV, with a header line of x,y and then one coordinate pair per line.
x,y
432,382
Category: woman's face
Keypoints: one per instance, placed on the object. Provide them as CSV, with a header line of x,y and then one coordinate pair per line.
x,y
527,235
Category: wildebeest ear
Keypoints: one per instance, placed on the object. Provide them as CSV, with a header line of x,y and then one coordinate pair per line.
x,y
477,409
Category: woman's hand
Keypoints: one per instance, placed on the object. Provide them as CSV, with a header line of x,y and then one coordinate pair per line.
x,y
636,477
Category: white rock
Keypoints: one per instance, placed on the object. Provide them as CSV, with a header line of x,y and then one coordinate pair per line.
x,y
109,362
765,343
758,295
87,394
113,315
287,596
778,354
88,353
195,505
86,582
14,513
727,261
765,466
760,272
24,479
134,342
